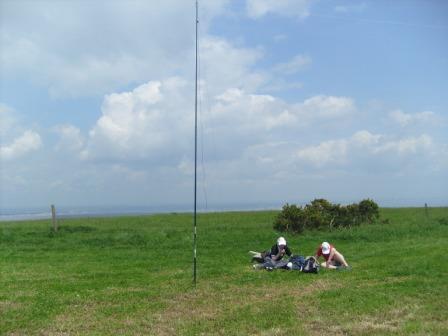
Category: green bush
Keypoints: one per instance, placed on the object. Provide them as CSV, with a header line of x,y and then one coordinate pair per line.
x,y
443,221
368,211
290,219
320,213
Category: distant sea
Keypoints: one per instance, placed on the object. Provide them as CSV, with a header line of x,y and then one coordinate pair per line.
x,y
36,213
18,214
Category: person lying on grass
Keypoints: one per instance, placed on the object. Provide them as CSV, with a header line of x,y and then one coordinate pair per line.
x,y
273,258
333,258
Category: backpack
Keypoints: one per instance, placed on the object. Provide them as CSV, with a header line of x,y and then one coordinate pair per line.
x,y
297,262
311,265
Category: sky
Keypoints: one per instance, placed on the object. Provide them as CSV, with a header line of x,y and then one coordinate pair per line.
x,y
343,100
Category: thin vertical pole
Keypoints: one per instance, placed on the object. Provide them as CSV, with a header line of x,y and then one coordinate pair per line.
x,y
53,218
195,146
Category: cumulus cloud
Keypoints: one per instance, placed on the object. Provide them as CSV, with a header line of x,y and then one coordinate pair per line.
x,y
15,139
364,147
333,151
266,112
154,122
291,8
147,122
27,142
327,107
406,119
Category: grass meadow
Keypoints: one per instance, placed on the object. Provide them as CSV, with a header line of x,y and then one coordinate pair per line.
x,y
133,276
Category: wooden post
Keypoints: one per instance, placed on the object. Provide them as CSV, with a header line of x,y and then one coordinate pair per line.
x,y
53,218
426,210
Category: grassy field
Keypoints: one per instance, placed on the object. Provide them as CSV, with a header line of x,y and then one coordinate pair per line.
x,y
133,276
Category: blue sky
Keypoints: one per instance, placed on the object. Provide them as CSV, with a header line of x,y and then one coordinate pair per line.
x,y
298,99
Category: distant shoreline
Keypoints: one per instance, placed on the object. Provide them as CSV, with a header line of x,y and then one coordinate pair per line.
x,y
34,214
13,215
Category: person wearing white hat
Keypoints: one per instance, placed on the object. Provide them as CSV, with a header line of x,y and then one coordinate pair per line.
x,y
280,249
273,257
333,258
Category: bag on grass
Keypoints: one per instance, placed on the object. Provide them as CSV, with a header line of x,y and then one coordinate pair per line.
x,y
296,263
311,265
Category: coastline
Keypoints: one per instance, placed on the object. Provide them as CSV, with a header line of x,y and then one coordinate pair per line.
x,y
44,213
41,213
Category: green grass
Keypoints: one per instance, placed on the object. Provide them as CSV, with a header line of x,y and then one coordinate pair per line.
x,y
133,276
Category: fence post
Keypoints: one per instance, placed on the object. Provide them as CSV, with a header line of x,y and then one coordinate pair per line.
x,y
426,210
53,218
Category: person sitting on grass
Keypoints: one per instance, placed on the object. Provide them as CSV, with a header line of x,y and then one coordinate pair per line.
x,y
333,258
273,258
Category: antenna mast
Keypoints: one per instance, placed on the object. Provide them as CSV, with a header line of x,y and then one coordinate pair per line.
x,y
195,147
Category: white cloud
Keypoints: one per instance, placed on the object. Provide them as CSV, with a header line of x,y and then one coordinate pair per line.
x,y
365,138
256,114
252,115
224,65
296,64
292,8
248,116
406,119
155,120
81,48
410,145
333,151
328,106
364,147
147,122
15,139
27,142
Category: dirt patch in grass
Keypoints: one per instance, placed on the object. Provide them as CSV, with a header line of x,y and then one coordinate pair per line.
x,y
273,332
71,320
120,290
88,318
9,305
383,323
388,281
206,303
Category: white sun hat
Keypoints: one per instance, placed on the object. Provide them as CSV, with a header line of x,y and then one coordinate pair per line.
x,y
281,241
325,248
